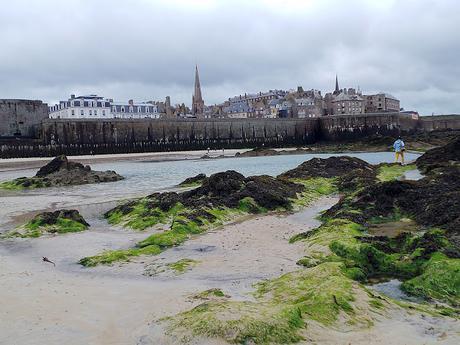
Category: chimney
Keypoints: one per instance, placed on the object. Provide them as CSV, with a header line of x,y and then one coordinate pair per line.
x,y
72,96
130,102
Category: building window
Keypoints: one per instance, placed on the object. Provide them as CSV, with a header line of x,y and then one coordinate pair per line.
x,y
95,112
82,112
90,112
73,112
103,112
99,104
139,109
122,109
147,109
131,109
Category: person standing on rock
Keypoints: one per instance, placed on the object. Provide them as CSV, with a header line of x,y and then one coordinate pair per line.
x,y
399,150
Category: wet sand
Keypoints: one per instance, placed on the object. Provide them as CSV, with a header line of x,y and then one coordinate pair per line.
x,y
120,304
37,162
43,304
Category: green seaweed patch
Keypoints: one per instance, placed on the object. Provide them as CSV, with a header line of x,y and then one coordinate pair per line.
x,y
182,265
140,216
314,188
249,205
25,183
210,294
409,257
180,229
282,308
38,227
392,172
440,280
111,256
191,184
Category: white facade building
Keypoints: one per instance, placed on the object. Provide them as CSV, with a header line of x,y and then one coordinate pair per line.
x,y
96,107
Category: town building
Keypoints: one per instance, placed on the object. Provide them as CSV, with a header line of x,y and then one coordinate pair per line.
x,y
381,102
97,107
349,102
132,110
240,110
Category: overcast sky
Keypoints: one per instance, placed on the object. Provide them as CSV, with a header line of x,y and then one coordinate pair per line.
x,y
147,49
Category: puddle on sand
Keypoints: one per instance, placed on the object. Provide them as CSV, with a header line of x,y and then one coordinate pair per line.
x,y
392,288
412,175
393,229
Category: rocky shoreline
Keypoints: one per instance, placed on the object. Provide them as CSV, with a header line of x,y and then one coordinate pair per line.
x,y
327,291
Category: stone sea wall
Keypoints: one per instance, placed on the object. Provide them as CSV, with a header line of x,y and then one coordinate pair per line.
x,y
72,137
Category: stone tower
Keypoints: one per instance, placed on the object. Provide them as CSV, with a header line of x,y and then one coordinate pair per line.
x,y
197,100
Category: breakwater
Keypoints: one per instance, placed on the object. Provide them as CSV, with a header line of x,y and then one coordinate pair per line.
x,y
74,137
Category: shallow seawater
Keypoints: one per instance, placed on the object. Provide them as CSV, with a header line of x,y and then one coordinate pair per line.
x,y
143,178
392,289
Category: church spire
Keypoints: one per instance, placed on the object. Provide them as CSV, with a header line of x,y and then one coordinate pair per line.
x,y
336,84
197,85
197,99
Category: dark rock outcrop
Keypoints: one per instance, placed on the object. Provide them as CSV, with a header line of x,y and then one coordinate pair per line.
x,y
51,218
329,167
193,180
258,152
61,172
443,156
224,189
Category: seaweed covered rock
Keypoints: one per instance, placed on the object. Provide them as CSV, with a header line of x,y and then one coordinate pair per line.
x,y
433,201
357,179
192,181
57,222
258,152
61,172
227,189
329,167
444,156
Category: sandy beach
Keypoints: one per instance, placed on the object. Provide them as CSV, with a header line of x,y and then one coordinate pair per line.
x,y
115,305
121,304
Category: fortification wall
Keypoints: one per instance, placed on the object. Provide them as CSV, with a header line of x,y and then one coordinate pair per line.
x,y
349,127
58,136
21,117
439,122
118,131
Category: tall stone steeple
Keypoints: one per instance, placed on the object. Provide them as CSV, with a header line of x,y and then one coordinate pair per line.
x,y
197,99
337,90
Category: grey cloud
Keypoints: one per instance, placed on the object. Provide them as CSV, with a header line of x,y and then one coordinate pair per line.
x,y
146,49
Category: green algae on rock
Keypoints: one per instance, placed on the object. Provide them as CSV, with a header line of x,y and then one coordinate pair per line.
x,y
283,308
57,222
194,181
389,172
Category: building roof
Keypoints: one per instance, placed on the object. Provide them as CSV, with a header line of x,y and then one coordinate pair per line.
x,y
388,95
347,97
